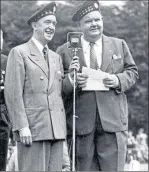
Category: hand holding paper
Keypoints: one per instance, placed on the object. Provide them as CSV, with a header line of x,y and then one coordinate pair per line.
x,y
95,79
111,81
82,80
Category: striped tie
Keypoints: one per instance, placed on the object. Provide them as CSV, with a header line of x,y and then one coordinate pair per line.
x,y
93,57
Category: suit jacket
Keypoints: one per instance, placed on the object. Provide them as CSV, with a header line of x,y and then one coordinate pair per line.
x,y
112,105
33,93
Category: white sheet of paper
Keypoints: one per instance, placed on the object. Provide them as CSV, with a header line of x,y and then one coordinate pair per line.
x,y
95,79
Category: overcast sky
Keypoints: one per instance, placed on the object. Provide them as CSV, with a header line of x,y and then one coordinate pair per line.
x,y
119,3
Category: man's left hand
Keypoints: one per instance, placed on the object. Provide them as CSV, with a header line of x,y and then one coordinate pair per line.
x,y
111,81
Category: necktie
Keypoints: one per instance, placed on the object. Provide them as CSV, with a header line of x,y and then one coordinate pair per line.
x,y
45,54
93,57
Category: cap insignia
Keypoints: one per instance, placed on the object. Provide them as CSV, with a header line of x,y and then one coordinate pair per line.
x,y
95,5
54,9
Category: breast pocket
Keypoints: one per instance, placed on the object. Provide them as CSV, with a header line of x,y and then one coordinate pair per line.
x,y
117,65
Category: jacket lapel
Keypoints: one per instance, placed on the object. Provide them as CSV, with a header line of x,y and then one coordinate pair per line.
x,y
51,68
37,57
81,58
108,50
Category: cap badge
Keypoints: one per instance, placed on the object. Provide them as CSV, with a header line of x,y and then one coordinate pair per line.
x,y
54,9
95,5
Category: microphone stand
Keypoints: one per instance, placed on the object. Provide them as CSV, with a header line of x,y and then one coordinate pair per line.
x,y
74,117
74,40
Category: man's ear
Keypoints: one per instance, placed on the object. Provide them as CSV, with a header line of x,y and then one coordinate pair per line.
x,y
34,25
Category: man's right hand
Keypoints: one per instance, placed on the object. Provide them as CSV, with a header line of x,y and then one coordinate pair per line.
x,y
81,80
74,65
25,136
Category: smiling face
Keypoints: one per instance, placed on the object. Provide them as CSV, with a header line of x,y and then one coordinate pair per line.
x,y
92,26
44,29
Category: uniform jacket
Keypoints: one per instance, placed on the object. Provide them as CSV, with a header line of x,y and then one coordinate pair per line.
x,y
112,105
33,93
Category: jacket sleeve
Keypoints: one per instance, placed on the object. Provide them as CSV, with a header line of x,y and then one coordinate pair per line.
x,y
66,84
14,84
130,73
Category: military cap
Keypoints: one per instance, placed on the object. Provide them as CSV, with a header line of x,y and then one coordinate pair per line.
x,y
42,11
85,8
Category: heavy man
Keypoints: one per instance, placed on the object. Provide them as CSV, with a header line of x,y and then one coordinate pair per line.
x,y
102,116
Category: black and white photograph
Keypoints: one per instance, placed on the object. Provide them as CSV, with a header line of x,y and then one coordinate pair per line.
x,y
74,85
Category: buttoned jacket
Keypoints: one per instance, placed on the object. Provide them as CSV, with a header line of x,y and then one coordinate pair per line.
x,y
33,92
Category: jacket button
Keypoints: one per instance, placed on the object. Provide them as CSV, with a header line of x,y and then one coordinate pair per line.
x,y
41,77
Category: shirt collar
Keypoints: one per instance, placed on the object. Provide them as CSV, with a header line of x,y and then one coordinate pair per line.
x,y
38,44
99,42
85,43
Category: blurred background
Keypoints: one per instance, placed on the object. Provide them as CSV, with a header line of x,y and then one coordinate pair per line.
x,y
123,19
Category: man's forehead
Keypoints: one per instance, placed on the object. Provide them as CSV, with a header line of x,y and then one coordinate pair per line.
x,y
49,17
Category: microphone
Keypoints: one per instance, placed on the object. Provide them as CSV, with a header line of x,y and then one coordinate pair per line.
x,y
74,40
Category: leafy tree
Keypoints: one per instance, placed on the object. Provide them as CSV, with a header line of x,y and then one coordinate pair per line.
x,y
14,15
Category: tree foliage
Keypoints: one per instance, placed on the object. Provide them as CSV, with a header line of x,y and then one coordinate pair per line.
x,y
129,23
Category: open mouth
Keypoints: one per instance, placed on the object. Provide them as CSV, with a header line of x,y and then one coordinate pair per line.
x,y
49,32
94,29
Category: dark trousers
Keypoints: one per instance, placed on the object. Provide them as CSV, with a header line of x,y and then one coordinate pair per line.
x,y
100,150
4,137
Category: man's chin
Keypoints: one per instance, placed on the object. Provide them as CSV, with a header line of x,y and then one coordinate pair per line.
x,y
95,34
49,38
